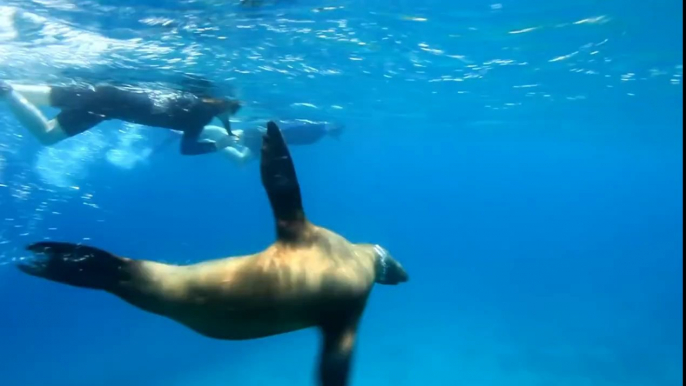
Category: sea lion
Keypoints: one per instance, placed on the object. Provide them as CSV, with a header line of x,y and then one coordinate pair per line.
x,y
309,277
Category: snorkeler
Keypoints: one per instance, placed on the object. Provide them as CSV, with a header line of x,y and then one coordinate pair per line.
x,y
82,108
248,143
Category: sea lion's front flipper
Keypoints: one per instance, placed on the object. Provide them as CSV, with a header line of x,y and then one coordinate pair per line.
x,y
336,356
281,183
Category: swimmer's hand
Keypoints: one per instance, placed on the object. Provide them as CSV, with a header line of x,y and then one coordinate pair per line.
x,y
227,126
5,89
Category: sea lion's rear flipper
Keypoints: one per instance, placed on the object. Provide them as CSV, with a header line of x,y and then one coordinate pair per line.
x,y
76,265
336,355
281,183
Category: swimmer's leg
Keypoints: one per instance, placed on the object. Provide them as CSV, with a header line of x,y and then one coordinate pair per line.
x,y
36,95
73,122
48,132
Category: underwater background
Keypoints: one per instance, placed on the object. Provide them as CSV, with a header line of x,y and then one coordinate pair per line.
x,y
522,159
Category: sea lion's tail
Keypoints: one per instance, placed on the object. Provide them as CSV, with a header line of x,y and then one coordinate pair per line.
x,y
77,265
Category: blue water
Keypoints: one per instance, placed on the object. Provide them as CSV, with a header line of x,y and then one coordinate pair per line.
x,y
523,159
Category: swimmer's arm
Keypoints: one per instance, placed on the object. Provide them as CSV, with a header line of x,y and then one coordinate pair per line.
x,y
227,124
208,139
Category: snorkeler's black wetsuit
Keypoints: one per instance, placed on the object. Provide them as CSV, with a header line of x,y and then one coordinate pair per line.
x,y
85,107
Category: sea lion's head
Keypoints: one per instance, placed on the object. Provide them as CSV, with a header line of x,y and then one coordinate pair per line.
x,y
388,270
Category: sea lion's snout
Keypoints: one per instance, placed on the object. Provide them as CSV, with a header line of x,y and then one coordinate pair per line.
x,y
388,270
